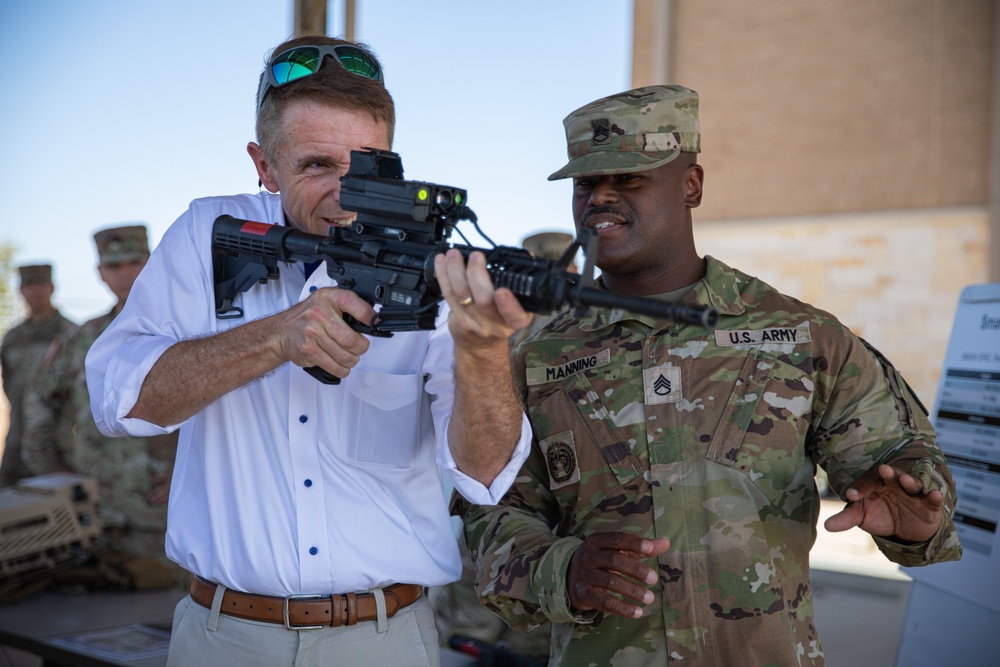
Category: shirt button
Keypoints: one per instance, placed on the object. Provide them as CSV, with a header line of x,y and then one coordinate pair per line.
x,y
312,288
313,551
303,419
308,483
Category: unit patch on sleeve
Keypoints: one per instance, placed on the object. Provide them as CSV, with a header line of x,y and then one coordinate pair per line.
x,y
560,457
772,335
662,384
544,374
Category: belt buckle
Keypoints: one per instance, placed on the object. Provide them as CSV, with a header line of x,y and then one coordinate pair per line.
x,y
284,611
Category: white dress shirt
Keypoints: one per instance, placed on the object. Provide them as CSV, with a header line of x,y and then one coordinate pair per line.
x,y
289,486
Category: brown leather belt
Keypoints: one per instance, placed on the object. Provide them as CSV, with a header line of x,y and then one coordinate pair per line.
x,y
306,612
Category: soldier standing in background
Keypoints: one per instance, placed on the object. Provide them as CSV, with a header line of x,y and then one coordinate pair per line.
x,y
546,245
133,474
21,350
549,245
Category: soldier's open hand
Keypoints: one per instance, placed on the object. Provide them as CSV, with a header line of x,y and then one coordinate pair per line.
x,y
608,567
890,503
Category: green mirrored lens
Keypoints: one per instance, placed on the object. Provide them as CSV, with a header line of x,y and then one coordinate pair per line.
x,y
295,64
357,61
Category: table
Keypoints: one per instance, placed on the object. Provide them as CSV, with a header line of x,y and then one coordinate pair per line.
x,y
45,624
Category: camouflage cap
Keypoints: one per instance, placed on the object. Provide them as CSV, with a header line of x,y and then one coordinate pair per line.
x,y
35,273
118,245
632,131
548,245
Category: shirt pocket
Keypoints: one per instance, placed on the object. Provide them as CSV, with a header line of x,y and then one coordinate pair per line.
x,y
587,455
763,429
380,424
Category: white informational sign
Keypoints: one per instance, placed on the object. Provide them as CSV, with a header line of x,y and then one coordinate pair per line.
x,y
967,420
953,613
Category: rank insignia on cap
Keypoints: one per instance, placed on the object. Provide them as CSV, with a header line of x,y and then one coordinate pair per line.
x,y
602,131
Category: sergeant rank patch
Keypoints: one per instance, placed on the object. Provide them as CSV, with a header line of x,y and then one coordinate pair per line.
x,y
560,458
662,384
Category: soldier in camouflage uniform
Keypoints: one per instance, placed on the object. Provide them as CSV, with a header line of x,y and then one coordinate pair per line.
x,y
133,474
21,350
668,507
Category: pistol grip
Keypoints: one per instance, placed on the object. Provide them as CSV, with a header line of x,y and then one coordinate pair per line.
x,y
321,375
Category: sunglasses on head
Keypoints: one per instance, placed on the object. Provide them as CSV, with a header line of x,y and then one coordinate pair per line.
x,y
301,61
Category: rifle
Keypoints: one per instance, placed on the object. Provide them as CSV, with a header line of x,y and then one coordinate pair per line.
x,y
386,256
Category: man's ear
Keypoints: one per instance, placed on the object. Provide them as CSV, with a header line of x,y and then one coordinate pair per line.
x,y
263,166
694,180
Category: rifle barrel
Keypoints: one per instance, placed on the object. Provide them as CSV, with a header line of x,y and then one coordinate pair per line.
x,y
705,316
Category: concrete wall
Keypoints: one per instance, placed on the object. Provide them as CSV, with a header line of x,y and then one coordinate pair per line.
x,y
848,152
893,278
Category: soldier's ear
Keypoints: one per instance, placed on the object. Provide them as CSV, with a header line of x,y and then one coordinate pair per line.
x,y
694,180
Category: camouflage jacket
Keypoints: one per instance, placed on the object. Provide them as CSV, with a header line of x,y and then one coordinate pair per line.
x,y
708,438
20,353
60,434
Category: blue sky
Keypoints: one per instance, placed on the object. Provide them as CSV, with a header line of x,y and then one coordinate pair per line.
x,y
116,111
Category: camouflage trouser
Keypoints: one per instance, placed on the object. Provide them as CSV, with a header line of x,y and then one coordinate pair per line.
x,y
457,611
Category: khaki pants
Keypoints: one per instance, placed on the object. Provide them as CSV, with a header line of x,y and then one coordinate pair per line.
x,y
202,636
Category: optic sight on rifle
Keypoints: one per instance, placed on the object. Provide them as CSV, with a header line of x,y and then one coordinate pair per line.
x,y
386,256
390,207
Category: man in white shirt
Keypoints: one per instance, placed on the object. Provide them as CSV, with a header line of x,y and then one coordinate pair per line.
x,y
312,515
